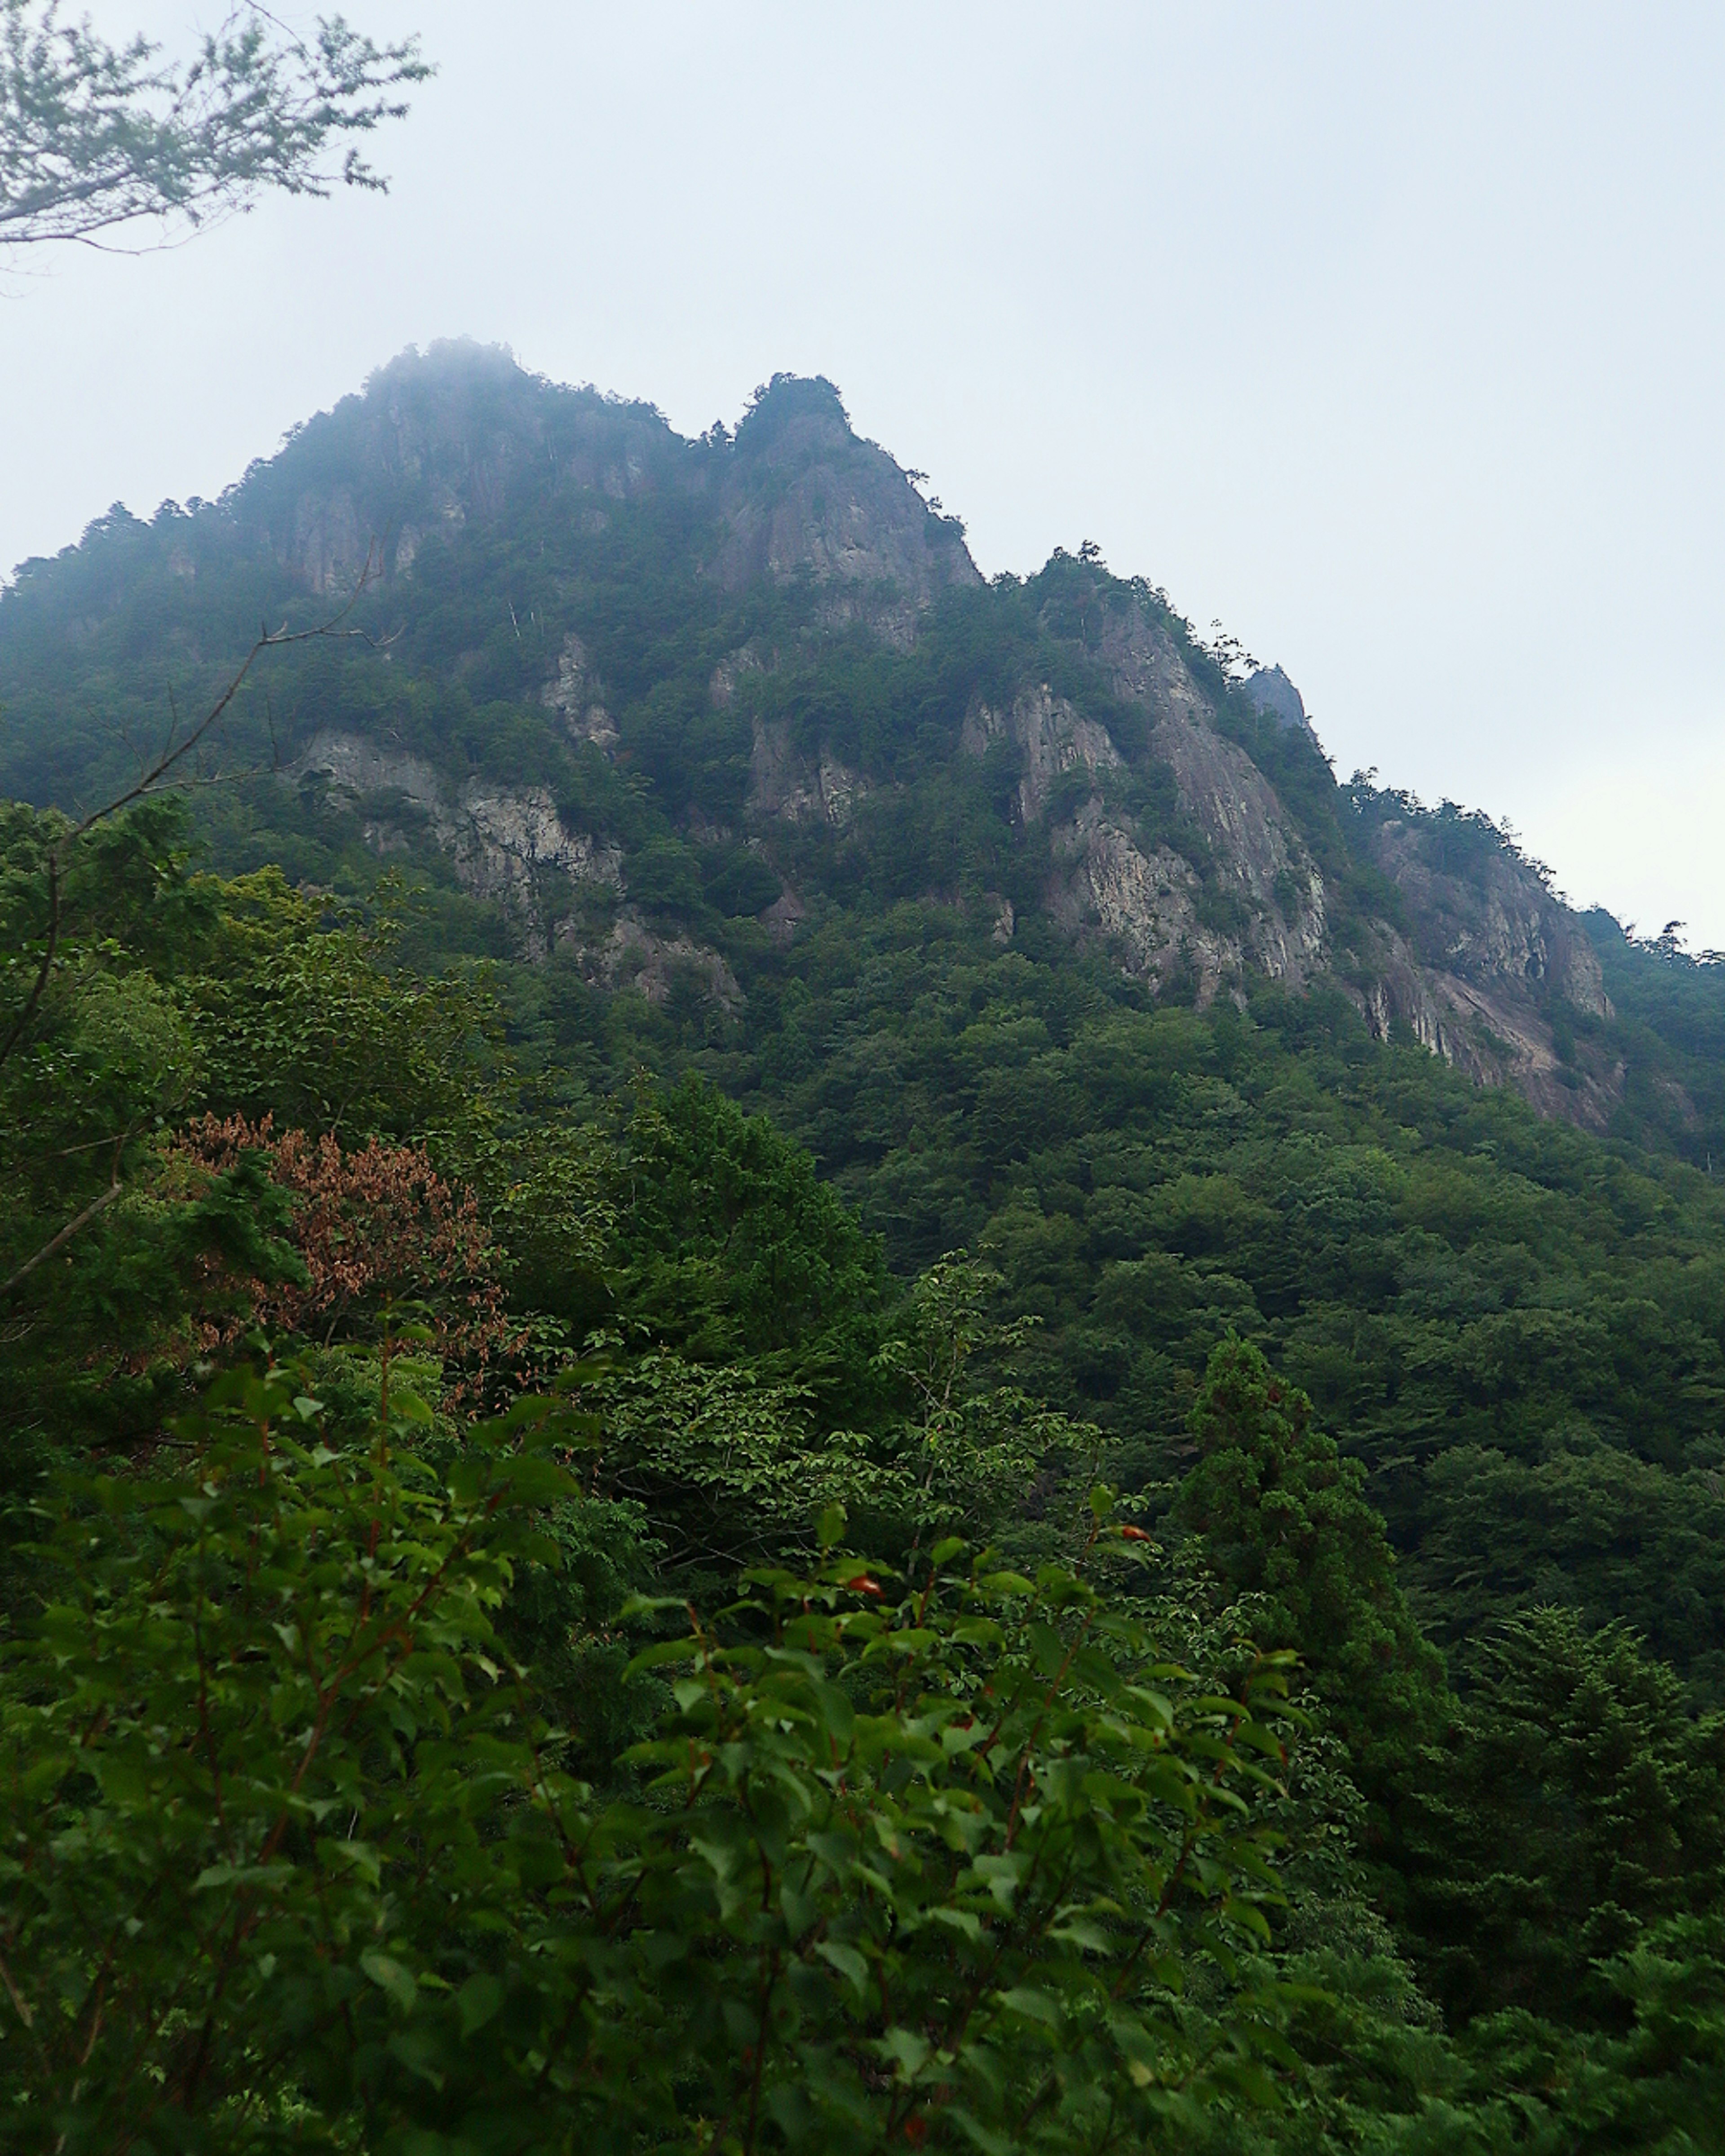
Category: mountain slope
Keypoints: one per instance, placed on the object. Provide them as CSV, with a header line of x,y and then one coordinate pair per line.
x,y
774,633
1046,934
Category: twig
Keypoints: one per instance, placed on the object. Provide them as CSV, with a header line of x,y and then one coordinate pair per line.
x,y
78,1220
173,753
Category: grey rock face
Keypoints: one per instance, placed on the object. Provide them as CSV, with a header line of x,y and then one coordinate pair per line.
x,y
1257,855
327,547
1146,904
573,694
788,788
1271,690
634,956
1052,736
802,495
500,841
1492,954
1145,665
437,441
457,435
1497,923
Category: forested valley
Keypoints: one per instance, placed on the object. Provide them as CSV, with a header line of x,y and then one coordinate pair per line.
x,y
796,1358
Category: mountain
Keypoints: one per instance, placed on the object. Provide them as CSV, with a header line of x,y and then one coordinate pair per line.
x,y
1263,1184
608,687
1050,936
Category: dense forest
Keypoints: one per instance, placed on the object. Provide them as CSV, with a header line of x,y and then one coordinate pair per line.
x,y
796,1358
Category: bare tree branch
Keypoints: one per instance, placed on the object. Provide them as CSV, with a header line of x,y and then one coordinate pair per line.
x,y
152,780
102,1198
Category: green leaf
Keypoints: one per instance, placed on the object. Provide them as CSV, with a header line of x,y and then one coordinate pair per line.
x,y
849,1963
479,2001
908,2050
391,1978
1034,2005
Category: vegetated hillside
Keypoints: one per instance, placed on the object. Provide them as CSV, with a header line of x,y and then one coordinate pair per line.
x,y
1049,934
1207,1215
617,693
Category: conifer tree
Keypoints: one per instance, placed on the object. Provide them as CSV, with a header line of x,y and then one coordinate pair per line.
x,y
1280,1514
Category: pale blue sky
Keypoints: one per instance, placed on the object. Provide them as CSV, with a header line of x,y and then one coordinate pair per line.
x,y
1391,335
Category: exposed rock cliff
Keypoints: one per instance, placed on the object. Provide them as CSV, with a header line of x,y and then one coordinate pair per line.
x,y
462,435
502,841
1051,736
1271,690
1491,919
574,696
795,788
800,494
1147,904
1494,969
459,435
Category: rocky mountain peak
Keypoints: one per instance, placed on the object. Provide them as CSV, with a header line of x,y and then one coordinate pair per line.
x,y
794,413
575,610
802,493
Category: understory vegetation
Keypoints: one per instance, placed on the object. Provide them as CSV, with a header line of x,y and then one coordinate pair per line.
x,y
527,1631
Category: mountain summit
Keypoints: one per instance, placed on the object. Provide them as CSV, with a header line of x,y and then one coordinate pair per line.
x,y
651,707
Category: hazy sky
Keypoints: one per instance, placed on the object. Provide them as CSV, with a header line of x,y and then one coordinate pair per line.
x,y
1391,336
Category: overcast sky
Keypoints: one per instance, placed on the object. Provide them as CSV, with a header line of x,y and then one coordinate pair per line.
x,y
1391,336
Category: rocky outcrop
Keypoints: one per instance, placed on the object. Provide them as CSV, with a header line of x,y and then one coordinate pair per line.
x,y
1491,1029
1144,664
1492,962
1052,737
573,694
1150,901
1481,964
510,844
461,436
784,918
788,786
800,494
1272,692
1489,917
455,436
633,955
1146,904
328,545
503,842
507,838
1253,865
1255,855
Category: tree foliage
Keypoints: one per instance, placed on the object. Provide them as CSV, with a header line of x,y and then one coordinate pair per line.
x,y
288,1855
1575,1804
95,136
1281,1516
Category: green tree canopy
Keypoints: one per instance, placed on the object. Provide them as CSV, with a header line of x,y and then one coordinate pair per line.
x,y
1576,1802
1279,1513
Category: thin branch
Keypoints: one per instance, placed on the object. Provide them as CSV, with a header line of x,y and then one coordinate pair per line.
x,y
98,136
102,1198
152,780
